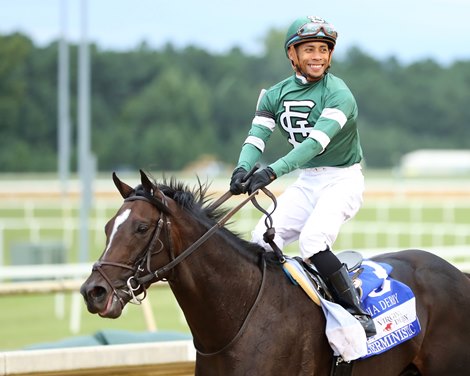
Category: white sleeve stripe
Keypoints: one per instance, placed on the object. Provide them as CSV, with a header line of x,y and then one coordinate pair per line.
x,y
256,142
265,122
335,114
321,137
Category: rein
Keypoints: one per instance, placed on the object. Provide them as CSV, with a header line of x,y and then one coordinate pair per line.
x,y
183,255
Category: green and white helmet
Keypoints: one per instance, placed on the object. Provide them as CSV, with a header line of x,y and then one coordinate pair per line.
x,y
311,27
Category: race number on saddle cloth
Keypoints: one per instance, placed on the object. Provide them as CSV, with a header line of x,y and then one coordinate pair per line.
x,y
390,303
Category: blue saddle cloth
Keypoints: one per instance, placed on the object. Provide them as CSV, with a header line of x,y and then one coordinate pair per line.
x,y
390,303
392,306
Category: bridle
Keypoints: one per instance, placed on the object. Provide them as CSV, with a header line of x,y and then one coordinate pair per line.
x,y
135,281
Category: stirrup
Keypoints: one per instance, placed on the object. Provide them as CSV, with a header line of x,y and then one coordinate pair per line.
x,y
345,294
367,323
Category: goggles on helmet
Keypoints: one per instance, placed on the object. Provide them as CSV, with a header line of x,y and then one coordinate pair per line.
x,y
313,28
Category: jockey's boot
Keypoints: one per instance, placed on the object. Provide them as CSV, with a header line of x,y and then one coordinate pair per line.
x,y
345,294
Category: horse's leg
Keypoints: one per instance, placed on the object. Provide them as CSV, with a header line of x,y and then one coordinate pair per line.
x,y
411,370
445,346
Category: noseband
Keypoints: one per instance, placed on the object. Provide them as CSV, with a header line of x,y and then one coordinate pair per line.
x,y
135,281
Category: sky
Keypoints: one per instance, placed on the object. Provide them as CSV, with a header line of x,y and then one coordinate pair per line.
x,y
409,30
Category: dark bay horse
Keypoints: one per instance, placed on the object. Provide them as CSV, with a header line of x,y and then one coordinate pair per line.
x,y
245,316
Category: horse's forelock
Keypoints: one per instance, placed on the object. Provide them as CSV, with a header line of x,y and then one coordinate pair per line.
x,y
152,197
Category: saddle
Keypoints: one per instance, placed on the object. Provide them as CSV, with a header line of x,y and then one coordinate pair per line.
x,y
352,260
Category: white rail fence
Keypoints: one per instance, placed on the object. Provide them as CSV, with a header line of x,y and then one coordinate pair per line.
x,y
380,224
158,358
396,224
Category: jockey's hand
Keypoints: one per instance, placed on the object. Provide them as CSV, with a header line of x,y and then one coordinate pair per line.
x,y
260,179
237,185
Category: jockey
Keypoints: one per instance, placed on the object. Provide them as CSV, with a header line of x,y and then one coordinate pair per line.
x,y
317,115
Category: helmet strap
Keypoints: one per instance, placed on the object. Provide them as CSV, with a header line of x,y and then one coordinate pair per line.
x,y
294,60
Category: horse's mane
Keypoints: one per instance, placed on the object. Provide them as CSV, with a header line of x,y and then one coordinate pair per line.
x,y
196,200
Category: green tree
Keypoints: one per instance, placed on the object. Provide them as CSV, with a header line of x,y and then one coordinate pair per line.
x,y
163,109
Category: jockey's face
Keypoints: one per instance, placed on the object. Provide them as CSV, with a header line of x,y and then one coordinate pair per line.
x,y
312,59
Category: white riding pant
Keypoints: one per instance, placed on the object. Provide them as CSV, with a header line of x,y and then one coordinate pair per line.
x,y
313,209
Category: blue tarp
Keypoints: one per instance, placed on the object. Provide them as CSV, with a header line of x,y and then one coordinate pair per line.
x,y
112,337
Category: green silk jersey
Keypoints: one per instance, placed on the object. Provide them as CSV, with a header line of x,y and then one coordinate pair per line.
x,y
317,119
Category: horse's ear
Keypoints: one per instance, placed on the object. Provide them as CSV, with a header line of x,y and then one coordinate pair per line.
x,y
123,188
146,183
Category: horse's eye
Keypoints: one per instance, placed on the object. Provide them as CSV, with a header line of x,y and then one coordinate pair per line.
x,y
142,228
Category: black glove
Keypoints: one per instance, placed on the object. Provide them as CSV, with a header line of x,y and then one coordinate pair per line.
x,y
237,185
260,179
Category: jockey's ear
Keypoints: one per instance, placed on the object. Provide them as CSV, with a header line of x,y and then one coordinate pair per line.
x,y
123,188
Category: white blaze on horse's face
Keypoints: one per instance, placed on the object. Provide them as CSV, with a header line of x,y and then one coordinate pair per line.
x,y
120,219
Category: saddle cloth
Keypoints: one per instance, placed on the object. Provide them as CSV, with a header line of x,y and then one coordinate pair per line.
x,y
390,303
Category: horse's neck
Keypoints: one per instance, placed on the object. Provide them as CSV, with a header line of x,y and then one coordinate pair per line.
x,y
215,287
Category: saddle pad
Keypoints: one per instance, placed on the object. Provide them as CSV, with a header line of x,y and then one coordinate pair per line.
x,y
391,304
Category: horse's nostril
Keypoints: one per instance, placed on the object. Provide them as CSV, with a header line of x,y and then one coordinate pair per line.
x,y
96,294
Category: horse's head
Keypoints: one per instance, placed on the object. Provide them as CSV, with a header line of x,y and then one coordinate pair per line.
x,y
137,246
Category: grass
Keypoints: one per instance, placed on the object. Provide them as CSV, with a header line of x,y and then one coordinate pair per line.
x,y
31,319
